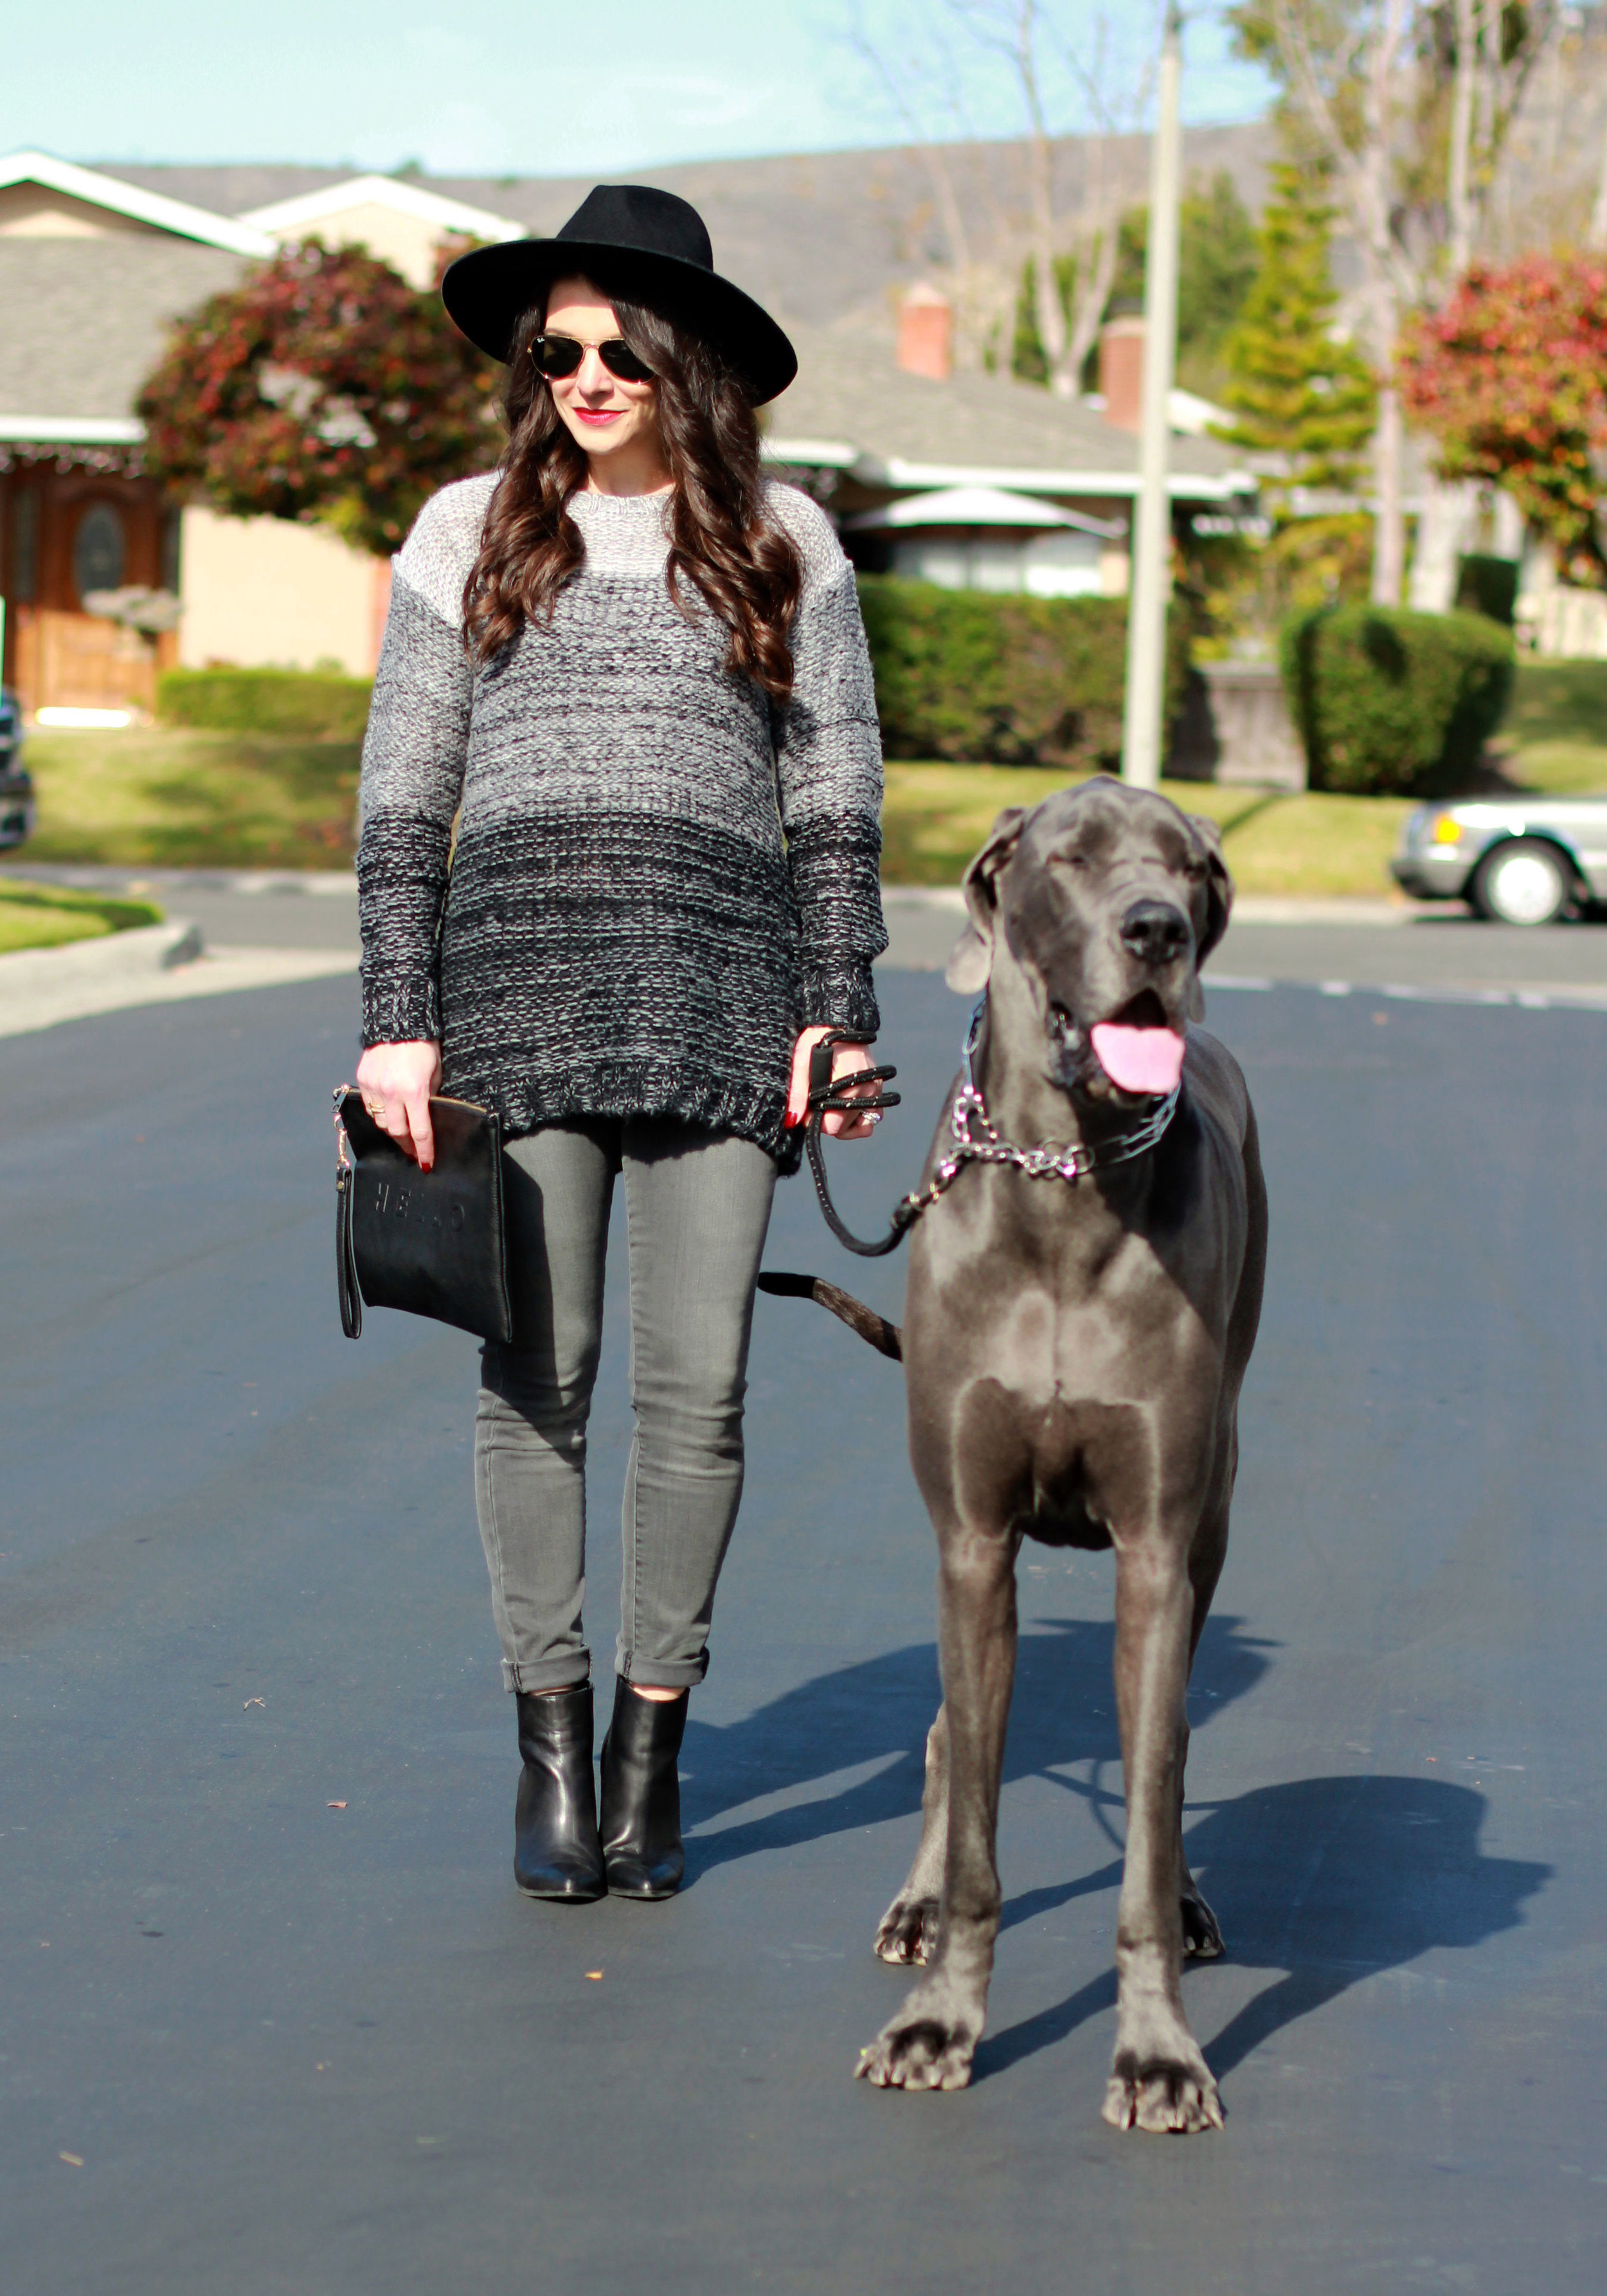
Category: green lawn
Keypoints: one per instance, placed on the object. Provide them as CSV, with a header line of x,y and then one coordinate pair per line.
x,y
241,800
1554,738
166,798
46,916
935,818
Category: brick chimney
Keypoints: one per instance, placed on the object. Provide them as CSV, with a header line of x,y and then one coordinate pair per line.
x,y
926,333
1121,372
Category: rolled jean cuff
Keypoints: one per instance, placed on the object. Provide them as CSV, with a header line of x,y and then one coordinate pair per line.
x,y
662,1674
548,1673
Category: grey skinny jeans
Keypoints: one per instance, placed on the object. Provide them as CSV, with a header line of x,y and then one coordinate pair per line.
x,y
697,1204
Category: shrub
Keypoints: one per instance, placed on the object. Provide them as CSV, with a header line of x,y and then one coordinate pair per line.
x,y
987,678
1489,586
315,705
1393,703
322,386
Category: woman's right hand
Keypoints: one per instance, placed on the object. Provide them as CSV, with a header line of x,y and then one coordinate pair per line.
x,y
396,1082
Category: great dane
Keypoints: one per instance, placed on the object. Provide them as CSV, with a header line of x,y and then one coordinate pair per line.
x,y
1074,1349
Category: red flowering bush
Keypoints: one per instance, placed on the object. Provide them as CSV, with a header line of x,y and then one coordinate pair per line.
x,y
323,387
1511,378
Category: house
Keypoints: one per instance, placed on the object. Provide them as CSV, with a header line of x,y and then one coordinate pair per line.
x,y
92,270
978,481
964,478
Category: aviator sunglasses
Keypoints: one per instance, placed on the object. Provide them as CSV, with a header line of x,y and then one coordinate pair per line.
x,y
560,356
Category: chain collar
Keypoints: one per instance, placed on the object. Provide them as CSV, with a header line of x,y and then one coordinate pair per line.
x,y
975,1139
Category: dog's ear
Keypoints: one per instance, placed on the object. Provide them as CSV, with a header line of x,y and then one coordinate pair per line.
x,y
1218,885
972,959
1218,904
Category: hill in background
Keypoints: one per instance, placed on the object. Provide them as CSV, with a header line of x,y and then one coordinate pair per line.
x,y
828,238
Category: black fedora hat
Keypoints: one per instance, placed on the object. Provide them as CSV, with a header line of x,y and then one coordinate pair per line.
x,y
635,238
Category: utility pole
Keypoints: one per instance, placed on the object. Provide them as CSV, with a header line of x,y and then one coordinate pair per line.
x,y
1141,727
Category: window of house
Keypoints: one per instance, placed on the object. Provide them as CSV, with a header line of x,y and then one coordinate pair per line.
x,y
995,565
945,564
1062,565
99,551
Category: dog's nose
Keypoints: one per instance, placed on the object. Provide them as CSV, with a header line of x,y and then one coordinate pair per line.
x,y
1155,932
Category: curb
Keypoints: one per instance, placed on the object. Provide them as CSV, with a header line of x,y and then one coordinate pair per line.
x,y
98,877
130,955
150,964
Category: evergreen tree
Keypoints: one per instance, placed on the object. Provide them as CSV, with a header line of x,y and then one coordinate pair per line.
x,y
1297,390
1304,398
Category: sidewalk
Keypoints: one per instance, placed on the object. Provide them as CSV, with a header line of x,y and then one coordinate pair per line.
x,y
154,964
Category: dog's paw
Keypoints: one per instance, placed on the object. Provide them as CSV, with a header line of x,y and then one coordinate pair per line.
x,y
1202,1938
908,1933
1161,2096
919,2051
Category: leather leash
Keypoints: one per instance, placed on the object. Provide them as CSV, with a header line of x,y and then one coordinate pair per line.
x,y
973,1134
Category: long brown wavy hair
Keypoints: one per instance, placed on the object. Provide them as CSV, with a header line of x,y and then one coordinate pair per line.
x,y
744,568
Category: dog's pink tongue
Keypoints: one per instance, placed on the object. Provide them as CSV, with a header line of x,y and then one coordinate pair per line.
x,y
1139,1060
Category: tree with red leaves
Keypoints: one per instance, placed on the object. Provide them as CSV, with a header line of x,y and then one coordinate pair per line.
x,y
1510,376
323,387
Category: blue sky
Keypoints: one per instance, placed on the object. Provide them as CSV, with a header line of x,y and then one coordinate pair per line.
x,y
548,89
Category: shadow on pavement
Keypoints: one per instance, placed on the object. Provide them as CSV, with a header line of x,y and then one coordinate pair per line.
x,y
1334,1878
1326,1880
1330,1879
878,1712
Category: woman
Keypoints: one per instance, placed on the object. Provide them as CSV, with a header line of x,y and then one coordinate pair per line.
x,y
631,674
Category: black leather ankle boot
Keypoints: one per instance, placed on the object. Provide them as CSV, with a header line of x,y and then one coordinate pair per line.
x,y
642,1795
556,1852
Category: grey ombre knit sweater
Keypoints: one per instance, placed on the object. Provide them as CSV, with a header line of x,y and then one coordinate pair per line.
x,y
658,877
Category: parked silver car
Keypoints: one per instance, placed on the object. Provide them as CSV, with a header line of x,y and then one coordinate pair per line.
x,y
1520,860
16,787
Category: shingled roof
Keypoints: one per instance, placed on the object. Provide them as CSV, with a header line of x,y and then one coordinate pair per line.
x,y
86,317
84,327
852,405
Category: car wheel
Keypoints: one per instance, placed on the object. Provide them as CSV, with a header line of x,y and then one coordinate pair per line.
x,y
1523,882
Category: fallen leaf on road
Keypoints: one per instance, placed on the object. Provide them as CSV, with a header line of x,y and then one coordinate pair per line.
x,y
593,1973
73,2160
252,1701
334,1804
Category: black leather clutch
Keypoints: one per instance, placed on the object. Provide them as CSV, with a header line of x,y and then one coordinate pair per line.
x,y
429,1242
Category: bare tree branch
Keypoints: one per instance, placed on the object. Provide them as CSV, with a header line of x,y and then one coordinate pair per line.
x,y
932,155
1459,188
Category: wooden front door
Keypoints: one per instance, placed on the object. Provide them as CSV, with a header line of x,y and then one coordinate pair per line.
x,y
78,661
67,532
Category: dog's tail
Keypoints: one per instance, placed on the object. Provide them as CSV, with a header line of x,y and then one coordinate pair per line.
x,y
882,1335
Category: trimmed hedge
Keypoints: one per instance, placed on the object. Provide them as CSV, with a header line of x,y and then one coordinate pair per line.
x,y
312,705
1487,585
1392,704
986,678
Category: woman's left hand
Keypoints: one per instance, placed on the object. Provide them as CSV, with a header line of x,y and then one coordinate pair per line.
x,y
845,1060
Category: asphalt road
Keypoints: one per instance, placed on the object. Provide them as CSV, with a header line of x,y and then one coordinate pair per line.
x,y
266,1976
1429,948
